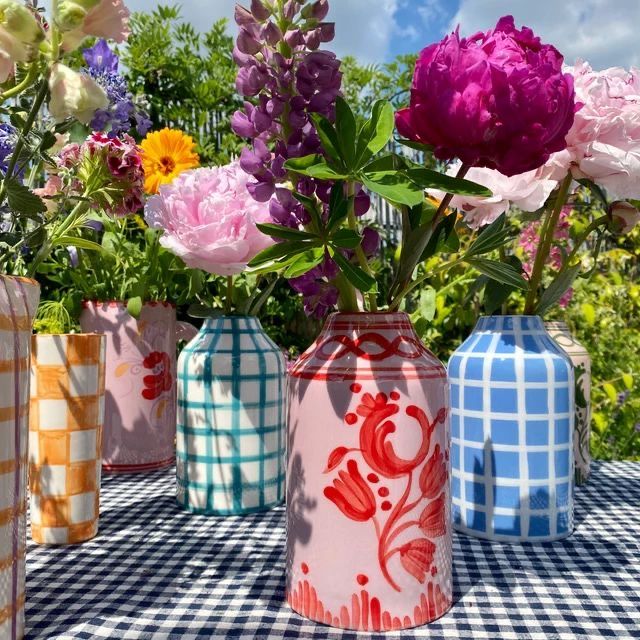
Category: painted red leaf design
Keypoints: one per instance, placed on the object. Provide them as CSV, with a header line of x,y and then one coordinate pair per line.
x,y
433,475
416,557
432,520
335,458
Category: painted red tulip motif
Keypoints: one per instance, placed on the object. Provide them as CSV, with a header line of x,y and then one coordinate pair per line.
x,y
160,380
351,492
417,556
352,495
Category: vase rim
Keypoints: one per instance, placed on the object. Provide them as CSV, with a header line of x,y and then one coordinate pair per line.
x,y
80,334
122,303
513,315
20,279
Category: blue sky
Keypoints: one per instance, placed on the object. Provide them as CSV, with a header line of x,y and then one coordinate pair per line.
x,y
604,32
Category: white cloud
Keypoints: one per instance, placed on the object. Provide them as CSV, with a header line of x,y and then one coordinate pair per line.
x,y
361,30
604,32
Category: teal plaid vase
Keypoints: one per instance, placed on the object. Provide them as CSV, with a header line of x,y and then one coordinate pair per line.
x,y
230,446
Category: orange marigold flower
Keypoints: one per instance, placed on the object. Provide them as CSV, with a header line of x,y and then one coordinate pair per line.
x,y
166,154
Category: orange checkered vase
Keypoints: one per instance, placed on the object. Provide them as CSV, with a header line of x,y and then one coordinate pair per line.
x,y
65,436
18,303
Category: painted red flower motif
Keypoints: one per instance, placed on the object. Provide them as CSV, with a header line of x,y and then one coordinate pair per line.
x,y
433,475
432,519
416,557
161,379
352,495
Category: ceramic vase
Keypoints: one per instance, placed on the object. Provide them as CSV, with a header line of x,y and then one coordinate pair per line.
x,y
368,504
140,383
231,419
512,413
18,302
582,371
65,436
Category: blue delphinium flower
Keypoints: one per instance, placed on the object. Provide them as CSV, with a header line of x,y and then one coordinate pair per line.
x,y
7,143
122,112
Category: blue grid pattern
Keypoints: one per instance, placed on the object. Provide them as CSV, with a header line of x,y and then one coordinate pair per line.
x,y
512,399
156,572
230,445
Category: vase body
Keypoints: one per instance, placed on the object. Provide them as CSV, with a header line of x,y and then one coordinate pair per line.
x,y
231,419
140,383
18,303
582,372
65,436
512,412
368,504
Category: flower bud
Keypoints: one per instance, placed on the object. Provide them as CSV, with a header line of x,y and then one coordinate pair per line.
x,y
312,39
243,17
247,43
70,16
290,9
20,22
74,94
293,37
320,9
259,11
271,33
624,216
327,31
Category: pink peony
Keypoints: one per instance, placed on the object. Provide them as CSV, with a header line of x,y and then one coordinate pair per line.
x,y
497,99
527,191
604,142
208,218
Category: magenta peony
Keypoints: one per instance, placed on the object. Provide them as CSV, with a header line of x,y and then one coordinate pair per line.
x,y
497,99
208,218
604,142
528,191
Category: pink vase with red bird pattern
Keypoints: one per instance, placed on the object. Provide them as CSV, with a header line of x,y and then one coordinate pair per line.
x,y
368,504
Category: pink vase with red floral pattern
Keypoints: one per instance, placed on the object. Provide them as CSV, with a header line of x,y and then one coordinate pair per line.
x,y
368,504
140,383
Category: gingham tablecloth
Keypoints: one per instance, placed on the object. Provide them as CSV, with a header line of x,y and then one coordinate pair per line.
x,y
155,571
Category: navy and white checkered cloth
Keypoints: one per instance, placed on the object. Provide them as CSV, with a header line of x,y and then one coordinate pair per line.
x,y
156,571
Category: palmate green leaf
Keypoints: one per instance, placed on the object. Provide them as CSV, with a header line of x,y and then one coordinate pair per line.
x,y
328,138
490,238
376,132
346,129
393,186
285,233
23,200
338,206
430,179
285,249
346,239
304,262
499,271
320,170
76,241
557,288
303,162
355,275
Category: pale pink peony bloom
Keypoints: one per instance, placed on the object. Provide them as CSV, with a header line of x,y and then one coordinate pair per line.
x,y
527,191
208,218
624,216
74,94
604,142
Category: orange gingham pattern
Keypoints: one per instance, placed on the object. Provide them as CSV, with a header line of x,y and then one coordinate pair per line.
x,y
65,436
19,295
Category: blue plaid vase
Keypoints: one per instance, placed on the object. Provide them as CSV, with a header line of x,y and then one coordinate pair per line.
x,y
230,446
512,417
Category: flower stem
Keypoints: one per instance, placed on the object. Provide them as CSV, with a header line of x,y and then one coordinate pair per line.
x,y
347,301
544,248
228,301
26,82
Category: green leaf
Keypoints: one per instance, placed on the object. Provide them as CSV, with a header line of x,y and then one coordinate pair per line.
x,y
338,206
491,237
376,132
134,306
427,303
497,293
328,138
76,241
320,170
588,313
23,200
393,186
387,162
355,275
443,238
346,130
499,271
197,310
611,392
286,233
303,162
430,179
418,146
627,379
304,262
346,239
282,250
557,288
311,207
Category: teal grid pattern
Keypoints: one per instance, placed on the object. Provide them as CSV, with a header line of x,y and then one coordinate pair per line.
x,y
230,443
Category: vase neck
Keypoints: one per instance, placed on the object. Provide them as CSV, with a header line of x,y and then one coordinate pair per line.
x,y
560,327
232,324
358,323
510,324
